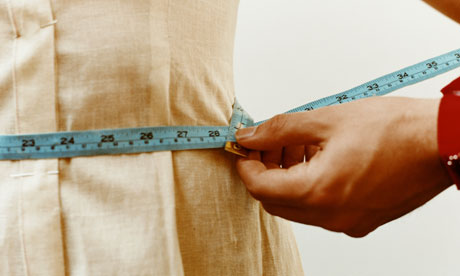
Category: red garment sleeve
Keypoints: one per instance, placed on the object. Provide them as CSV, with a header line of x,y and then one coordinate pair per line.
x,y
449,130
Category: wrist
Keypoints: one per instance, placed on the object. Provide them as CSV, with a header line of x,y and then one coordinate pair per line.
x,y
422,126
422,146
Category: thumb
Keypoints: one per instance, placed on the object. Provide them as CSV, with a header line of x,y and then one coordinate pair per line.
x,y
303,128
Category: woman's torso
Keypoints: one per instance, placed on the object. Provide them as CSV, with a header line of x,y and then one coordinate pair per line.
x,y
115,64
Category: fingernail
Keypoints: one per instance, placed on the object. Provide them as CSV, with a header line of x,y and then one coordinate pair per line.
x,y
245,132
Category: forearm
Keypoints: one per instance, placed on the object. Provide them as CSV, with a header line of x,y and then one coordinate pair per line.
x,y
451,8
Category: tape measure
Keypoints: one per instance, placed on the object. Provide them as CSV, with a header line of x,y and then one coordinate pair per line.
x,y
168,138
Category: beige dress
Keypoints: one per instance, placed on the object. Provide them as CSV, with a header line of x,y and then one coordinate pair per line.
x,y
95,64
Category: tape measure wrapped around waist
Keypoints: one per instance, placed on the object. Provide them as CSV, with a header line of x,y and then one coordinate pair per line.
x,y
148,139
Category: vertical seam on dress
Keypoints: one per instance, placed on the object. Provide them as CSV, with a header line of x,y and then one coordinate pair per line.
x,y
15,88
13,70
168,33
57,112
56,83
10,15
63,234
13,77
21,229
22,15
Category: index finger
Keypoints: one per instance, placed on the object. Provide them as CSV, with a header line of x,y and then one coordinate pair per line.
x,y
274,185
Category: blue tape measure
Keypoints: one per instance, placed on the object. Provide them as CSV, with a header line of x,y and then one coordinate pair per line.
x,y
148,139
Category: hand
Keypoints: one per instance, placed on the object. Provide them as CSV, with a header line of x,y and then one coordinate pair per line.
x,y
348,168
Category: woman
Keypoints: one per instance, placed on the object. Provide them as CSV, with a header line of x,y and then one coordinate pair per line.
x,y
80,65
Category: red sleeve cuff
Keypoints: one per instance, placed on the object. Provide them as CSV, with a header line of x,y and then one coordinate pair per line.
x,y
449,130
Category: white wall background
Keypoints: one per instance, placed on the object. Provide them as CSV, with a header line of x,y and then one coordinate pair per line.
x,y
292,52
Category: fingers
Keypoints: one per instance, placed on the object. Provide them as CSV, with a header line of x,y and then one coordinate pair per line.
x,y
271,184
284,130
291,194
287,157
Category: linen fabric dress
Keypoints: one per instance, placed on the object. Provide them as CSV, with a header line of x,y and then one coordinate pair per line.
x,y
69,65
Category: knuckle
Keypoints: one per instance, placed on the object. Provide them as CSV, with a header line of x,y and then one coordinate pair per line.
x,y
325,197
352,226
321,198
328,193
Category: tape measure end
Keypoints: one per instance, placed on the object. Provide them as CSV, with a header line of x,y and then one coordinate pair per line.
x,y
235,148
